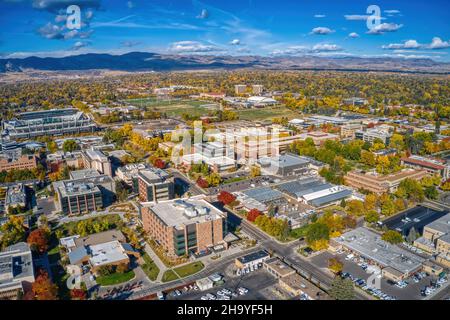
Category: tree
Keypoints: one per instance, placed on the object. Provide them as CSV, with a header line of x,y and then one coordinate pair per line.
x,y
370,201
368,158
226,197
342,289
214,179
12,231
158,163
70,146
253,214
43,288
78,294
202,183
372,216
317,231
355,207
431,192
392,236
255,171
335,265
38,240
412,235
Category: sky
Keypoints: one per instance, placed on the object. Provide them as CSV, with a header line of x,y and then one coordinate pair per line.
x,y
404,29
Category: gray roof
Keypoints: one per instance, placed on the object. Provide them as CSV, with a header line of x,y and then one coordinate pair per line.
x,y
370,245
283,161
264,194
442,224
301,187
101,237
16,263
331,198
77,254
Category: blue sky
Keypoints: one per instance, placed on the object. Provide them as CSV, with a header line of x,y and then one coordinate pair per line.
x,y
407,29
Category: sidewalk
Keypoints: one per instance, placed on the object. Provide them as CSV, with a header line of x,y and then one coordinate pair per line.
x,y
162,267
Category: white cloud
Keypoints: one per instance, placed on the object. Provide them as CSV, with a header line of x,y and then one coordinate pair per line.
x,y
319,16
353,35
129,44
51,31
384,27
437,43
79,44
130,4
192,46
321,30
301,50
356,17
409,44
235,42
326,47
203,15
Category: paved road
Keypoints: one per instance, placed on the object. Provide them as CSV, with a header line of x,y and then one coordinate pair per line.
x,y
287,253
208,270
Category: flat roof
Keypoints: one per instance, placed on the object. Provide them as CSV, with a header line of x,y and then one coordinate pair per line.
x,y
279,266
442,224
370,245
101,237
106,253
263,194
184,211
417,218
283,161
84,173
253,256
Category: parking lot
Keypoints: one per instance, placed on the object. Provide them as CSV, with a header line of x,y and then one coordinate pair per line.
x,y
255,282
410,292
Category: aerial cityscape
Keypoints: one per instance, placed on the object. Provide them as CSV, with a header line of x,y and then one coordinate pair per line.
x,y
234,151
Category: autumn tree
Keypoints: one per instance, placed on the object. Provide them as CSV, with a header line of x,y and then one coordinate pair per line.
x,y
335,265
226,197
253,214
392,236
38,240
43,288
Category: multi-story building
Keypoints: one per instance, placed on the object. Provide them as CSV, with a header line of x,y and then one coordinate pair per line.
x,y
348,130
185,226
49,122
16,196
436,240
95,159
319,137
130,174
16,271
240,88
431,165
377,183
78,197
87,190
10,161
372,134
257,89
155,185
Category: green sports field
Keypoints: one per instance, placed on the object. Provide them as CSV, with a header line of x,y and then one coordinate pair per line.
x,y
173,107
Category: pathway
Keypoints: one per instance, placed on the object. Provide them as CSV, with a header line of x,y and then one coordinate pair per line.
x,y
162,267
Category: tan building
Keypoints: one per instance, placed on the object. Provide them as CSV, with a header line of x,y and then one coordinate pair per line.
x,y
278,268
296,285
436,240
95,159
184,226
377,183
22,162
319,137
348,130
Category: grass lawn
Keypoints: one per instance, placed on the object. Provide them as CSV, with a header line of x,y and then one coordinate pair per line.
x,y
189,269
150,268
115,278
169,275
299,232
234,179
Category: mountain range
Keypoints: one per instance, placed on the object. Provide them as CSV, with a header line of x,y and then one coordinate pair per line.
x,y
146,61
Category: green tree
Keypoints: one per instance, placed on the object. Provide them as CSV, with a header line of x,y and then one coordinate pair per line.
x,y
70,146
392,236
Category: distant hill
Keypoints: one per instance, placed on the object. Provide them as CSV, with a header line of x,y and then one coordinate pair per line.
x,y
146,61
